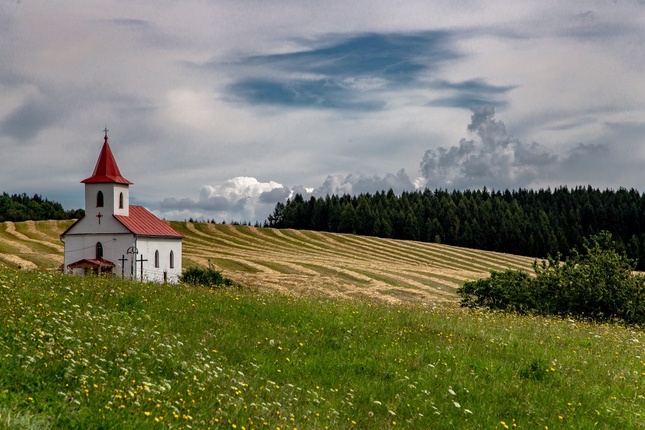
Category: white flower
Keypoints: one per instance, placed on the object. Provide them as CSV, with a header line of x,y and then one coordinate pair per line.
x,y
457,405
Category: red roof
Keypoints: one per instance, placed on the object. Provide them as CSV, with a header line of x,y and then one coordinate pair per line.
x,y
143,223
106,170
90,263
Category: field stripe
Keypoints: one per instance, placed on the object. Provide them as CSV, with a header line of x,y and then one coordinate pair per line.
x,y
32,234
9,233
297,261
16,261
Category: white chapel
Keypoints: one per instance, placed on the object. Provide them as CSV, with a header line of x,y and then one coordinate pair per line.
x,y
117,238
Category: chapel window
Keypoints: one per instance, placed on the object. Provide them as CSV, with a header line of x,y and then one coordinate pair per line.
x,y
99,199
172,260
157,258
99,250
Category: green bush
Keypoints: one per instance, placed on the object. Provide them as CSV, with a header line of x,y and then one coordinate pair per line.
x,y
597,284
206,277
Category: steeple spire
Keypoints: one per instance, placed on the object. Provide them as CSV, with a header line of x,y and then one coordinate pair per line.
x,y
106,170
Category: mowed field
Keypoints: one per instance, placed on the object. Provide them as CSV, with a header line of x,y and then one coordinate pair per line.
x,y
293,261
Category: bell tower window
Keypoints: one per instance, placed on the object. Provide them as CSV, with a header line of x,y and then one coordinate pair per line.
x,y
120,200
99,199
99,250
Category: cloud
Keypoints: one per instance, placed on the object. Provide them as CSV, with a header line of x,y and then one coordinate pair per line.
x,y
26,121
469,93
492,158
355,184
342,71
247,199
242,198
359,72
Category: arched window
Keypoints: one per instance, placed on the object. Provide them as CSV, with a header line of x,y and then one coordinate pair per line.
x,y
172,260
99,250
99,199
121,201
157,258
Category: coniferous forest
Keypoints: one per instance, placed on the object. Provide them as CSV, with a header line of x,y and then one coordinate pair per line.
x,y
525,222
21,207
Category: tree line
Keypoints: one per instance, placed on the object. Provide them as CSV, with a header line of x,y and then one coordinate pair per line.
x,y
534,223
21,207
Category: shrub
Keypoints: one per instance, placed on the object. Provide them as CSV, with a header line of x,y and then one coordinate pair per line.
x,y
206,277
597,284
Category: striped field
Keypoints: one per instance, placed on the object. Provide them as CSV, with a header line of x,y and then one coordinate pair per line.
x,y
298,262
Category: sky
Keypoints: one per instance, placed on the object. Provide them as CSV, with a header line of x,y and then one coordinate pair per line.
x,y
221,109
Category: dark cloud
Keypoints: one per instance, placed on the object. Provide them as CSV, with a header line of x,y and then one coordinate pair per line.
x,y
343,72
470,93
301,93
26,121
473,86
275,195
492,158
395,56
466,101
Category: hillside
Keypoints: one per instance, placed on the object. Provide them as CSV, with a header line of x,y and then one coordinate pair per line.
x,y
294,260
81,353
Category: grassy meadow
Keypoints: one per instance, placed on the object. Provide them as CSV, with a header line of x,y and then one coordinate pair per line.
x,y
362,345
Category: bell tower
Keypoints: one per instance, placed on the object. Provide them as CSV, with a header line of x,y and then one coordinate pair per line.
x,y
107,193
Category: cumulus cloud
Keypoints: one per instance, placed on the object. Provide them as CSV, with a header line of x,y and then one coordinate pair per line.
x,y
354,184
491,158
240,199
247,199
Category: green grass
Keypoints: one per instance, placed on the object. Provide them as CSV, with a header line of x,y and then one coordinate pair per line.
x,y
88,353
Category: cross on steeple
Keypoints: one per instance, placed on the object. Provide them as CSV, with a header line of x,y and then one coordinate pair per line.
x,y
105,130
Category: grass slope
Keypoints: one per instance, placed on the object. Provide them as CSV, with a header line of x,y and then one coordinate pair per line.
x,y
88,353
295,261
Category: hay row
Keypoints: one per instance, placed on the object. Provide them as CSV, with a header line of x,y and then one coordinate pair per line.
x,y
300,262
